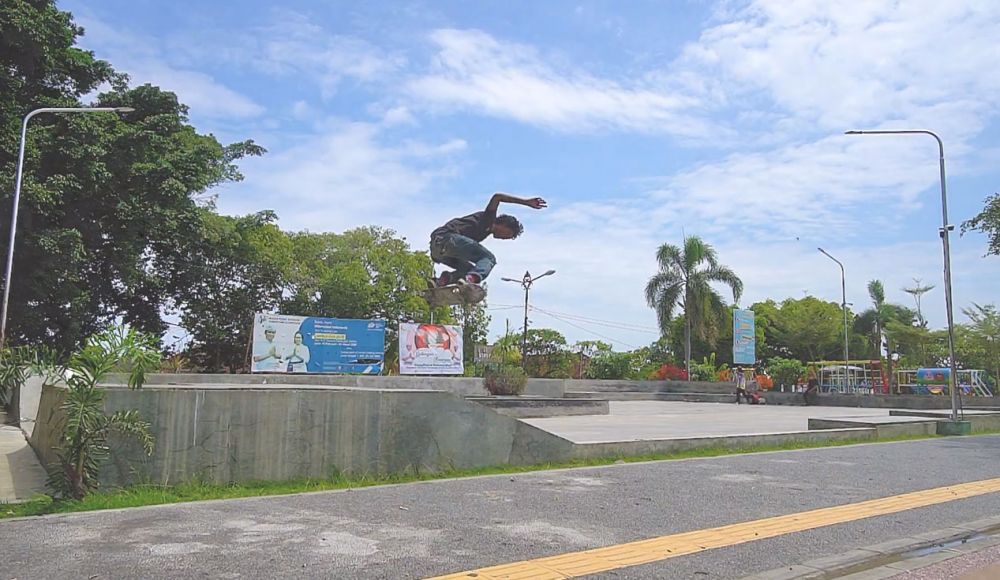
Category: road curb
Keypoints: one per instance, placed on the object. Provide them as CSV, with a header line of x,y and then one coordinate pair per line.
x,y
888,558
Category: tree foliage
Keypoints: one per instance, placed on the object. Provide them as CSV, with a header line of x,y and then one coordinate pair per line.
x,y
106,199
988,223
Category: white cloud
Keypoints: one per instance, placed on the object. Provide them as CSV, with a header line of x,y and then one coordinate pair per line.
x,y
916,60
293,46
474,70
342,177
145,61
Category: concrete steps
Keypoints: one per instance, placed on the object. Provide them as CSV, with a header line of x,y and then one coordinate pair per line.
x,y
652,396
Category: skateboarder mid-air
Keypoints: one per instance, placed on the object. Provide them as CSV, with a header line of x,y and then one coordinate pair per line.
x,y
457,243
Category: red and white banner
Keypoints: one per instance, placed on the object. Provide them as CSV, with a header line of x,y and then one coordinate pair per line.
x,y
430,349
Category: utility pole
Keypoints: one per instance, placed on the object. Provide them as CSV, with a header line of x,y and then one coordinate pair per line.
x,y
526,283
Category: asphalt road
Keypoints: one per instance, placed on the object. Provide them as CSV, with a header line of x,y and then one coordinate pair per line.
x,y
431,528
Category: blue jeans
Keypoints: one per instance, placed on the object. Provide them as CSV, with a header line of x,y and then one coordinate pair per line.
x,y
463,254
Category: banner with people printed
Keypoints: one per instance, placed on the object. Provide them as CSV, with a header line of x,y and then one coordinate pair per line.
x,y
430,349
300,344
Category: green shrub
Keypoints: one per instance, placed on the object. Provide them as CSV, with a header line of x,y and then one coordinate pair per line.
x,y
504,380
785,371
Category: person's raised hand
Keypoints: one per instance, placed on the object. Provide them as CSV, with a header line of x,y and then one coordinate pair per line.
x,y
537,203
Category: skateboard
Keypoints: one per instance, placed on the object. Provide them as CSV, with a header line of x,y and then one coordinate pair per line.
x,y
454,294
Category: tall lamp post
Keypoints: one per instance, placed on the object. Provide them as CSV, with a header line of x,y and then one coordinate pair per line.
x,y
843,291
17,194
944,230
526,283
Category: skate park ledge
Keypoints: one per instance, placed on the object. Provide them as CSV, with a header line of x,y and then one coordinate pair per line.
x,y
222,432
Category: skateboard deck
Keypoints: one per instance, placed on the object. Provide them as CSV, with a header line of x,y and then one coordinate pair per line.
x,y
454,294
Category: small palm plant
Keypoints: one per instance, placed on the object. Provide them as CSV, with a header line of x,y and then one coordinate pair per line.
x,y
502,374
84,442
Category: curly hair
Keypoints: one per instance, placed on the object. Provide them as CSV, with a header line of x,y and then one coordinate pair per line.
x,y
510,222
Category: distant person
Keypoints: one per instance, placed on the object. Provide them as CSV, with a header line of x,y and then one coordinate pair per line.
x,y
811,395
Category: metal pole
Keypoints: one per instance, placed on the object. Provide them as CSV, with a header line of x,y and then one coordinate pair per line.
x,y
945,229
17,196
524,336
843,303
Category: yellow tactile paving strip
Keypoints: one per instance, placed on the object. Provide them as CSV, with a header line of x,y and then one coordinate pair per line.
x,y
575,564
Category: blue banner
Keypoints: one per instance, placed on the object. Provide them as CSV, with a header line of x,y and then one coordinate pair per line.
x,y
744,338
298,344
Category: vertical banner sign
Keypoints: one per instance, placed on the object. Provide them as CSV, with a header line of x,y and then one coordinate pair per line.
x,y
430,349
744,338
299,344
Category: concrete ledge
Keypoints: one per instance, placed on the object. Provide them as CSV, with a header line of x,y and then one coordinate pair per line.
x,y
651,396
928,402
954,427
657,446
459,385
538,407
889,428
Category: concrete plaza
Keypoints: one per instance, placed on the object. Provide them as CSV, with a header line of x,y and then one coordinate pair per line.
x,y
647,420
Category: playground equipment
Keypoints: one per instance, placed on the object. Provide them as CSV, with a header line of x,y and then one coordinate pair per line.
x,y
851,377
972,382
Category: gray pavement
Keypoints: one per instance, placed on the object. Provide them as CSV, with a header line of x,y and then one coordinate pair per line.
x,y
21,475
431,528
637,420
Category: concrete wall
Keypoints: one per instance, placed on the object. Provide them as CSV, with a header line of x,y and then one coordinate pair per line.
x,y
222,434
928,402
459,385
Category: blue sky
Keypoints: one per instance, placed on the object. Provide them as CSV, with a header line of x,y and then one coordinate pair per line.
x,y
637,121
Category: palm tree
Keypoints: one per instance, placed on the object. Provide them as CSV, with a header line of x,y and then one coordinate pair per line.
x,y
917,291
685,279
874,321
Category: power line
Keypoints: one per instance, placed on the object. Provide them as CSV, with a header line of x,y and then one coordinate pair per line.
x,y
598,322
590,331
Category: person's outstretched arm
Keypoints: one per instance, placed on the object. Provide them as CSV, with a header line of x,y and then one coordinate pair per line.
x,y
500,197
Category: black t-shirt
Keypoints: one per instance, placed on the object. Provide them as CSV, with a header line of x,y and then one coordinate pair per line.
x,y
476,226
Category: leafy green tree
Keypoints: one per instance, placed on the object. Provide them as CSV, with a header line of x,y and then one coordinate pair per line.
x,y
807,329
917,345
475,321
685,279
83,444
106,200
231,268
547,355
366,272
984,329
988,223
612,365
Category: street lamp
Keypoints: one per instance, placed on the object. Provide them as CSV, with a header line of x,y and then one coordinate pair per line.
x,y
526,282
17,194
945,228
843,290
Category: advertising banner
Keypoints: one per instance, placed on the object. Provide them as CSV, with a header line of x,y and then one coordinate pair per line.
x,y
299,344
744,338
934,377
430,349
